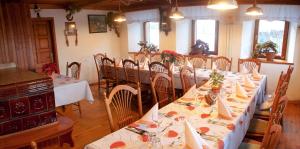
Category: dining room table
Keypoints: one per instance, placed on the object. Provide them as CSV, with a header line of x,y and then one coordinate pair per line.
x,y
68,90
169,131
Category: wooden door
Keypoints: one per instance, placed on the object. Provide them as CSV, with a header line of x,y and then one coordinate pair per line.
x,y
45,42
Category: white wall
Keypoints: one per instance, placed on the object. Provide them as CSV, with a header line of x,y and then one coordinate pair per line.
x,y
88,44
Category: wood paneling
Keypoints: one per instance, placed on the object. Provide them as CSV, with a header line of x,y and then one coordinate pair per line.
x,y
17,42
132,5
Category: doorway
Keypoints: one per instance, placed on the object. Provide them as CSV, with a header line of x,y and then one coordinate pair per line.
x,y
45,43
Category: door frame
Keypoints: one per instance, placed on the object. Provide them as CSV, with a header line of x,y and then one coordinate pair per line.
x,y
52,28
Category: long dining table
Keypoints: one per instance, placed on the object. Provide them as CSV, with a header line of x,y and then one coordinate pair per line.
x,y
169,130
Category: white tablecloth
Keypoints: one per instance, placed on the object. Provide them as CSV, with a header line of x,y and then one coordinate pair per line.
x,y
69,90
218,133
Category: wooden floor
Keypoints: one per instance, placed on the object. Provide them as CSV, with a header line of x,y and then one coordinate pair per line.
x,y
93,124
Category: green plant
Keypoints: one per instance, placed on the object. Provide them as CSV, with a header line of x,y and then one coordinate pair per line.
x,y
266,47
147,48
70,10
216,79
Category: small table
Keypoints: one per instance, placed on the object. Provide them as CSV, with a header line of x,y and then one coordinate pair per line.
x,y
61,130
68,90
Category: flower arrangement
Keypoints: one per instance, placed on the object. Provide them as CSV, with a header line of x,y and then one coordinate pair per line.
x,y
168,56
269,49
216,80
147,48
49,68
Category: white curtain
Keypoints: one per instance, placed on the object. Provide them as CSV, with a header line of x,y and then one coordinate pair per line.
x,y
271,12
142,16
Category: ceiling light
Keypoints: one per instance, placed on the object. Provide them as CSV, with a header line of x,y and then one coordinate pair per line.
x,y
254,10
120,17
176,14
222,4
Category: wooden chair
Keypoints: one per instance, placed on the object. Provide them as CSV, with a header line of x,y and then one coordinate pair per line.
x,y
284,77
162,89
222,63
198,61
249,64
187,77
270,139
258,127
74,69
109,71
120,104
155,57
101,81
140,57
157,67
180,59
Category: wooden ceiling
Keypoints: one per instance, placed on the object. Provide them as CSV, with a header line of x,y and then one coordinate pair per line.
x,y
132,5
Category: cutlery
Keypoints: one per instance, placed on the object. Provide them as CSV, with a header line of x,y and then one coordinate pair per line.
x,y
170,124
136,130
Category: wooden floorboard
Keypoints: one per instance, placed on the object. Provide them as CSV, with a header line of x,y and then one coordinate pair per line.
x,y
94,124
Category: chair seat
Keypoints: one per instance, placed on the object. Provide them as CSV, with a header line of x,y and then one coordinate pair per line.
x,y
257,126
262,112
249,146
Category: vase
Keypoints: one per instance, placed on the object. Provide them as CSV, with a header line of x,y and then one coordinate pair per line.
x,y
270,56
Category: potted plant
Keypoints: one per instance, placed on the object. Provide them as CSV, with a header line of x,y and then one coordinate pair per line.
x,y
268,49
168,57
216,81
147,48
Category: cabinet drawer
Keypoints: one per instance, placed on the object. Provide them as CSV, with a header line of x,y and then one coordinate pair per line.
x,y
11,126
31,122
48,117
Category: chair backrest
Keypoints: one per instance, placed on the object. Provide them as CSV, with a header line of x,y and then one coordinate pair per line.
x,y
158,67
155,57
97,58
187,77
198,61
271,138
249,64
120,100
140,57
222,63
162,89
74,67
132,71
179,60
109,68
289,73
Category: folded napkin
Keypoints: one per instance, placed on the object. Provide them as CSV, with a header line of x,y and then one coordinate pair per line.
x,y
244,70
214,66
145,64
223,109
152,114
256,74
248,82
187,63
192,139
240,91
120,62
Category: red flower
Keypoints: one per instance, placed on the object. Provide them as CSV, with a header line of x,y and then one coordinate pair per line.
x,y
50,68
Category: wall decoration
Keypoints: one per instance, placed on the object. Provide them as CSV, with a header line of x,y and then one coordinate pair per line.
x,y
112,24
165,21
97,23
70,30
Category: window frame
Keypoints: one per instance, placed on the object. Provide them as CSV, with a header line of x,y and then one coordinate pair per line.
x,y
284,41
215,52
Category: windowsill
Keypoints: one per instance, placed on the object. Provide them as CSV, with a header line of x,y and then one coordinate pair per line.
x,y
276,61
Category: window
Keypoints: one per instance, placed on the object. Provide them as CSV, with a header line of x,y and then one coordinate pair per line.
x,y
207,31
151,33
276,31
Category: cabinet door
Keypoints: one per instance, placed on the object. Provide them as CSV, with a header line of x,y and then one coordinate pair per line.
x,y
19,107
38,103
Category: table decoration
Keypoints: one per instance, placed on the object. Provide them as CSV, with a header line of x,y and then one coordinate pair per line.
x,y
192,139
248,83
223,110
240,91
216,81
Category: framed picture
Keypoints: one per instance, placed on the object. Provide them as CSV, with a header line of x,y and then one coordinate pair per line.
x,y
97,23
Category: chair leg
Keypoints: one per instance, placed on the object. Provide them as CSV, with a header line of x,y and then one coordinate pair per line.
x,y
79,107
107,87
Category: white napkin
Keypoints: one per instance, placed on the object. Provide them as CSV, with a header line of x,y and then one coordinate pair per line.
x,y
120,63
248,82
240,91
223,109
214,66
187,63
256,74
146,61
152,114
244,70
192,139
